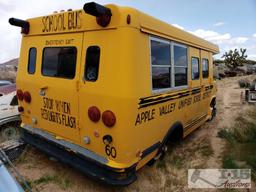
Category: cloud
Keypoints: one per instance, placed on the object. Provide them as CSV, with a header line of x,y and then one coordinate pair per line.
x,y
219,24
226,42
237,40
212,36
178,26
219,38
252,57
10,36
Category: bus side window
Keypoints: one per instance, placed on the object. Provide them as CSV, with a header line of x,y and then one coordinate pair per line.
x,y
32,60
205,66
180,65
92,63
195,68
160,64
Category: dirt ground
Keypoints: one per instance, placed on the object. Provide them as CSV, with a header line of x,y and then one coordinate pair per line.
x,y
202,149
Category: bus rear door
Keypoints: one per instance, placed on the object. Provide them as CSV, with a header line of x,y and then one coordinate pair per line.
x,y
56,84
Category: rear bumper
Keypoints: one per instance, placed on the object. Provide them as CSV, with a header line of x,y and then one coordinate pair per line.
x,y
90,167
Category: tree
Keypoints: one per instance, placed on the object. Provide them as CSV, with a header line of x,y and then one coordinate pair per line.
x,y
233,59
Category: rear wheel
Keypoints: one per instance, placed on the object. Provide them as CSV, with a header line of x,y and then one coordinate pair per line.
x,y
10,131
213,109
160,155
172,140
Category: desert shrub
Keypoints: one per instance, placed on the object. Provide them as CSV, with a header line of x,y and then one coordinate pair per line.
x,y
230,73
7,75
222,75
244,83
241,143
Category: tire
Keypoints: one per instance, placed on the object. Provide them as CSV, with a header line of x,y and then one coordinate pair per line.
x,y
160,155
213,112
173,137
10,131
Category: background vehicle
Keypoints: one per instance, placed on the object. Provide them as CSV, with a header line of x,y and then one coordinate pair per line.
x,y
9,115
7,182
9,151
3,83
250,93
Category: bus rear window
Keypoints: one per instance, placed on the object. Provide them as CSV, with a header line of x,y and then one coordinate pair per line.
x,y
92,63
32,60
59,62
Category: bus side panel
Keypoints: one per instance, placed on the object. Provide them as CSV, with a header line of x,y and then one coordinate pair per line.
x,y
124,78
115,89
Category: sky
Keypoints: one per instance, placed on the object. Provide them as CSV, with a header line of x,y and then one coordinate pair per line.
x,y
228,23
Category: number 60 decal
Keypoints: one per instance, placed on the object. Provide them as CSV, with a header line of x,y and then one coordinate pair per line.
x,y
110,151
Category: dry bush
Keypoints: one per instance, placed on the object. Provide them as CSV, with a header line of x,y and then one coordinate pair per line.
x,y
244,83
8,75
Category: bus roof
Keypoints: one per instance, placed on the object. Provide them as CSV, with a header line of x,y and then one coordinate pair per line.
x,y
159,28
78,20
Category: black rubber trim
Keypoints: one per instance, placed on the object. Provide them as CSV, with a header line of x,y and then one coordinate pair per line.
x,y
194,122
195,91
92,169
150,149
157,99
208,87
153,100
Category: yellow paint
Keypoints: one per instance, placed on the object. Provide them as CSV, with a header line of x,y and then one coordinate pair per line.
x,y
124,78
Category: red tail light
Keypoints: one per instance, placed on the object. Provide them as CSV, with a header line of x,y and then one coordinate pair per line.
x,y
109,118
20,95
94,114
20,109
27,97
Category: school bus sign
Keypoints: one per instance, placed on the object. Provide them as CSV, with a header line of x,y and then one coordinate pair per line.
x,y
62,22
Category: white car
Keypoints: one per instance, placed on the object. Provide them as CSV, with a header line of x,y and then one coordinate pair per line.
x,y
9,115
4,82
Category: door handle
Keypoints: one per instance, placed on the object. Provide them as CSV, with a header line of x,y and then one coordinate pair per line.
x,y
42,90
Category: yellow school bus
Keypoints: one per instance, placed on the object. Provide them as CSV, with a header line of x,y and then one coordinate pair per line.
x,y
105,88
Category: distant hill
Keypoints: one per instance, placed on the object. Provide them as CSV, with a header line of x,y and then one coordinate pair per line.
x,y
11,63
8,70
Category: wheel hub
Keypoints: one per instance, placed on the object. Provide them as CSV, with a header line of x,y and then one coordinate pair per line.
x,y
9,133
